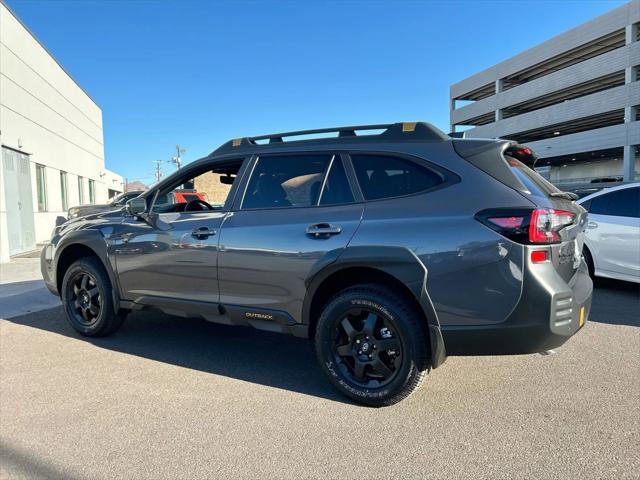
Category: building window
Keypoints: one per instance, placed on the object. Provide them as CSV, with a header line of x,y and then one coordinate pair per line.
x,y
92,191
41,182
63,191
80,190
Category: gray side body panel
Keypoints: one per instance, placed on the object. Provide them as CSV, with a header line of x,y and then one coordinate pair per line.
x,y
474,274
165,260
266,256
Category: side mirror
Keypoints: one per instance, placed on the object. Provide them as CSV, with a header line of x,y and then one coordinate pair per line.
x,y
137,206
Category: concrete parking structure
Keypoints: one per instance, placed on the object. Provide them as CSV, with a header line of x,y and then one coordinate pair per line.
x,y
574,99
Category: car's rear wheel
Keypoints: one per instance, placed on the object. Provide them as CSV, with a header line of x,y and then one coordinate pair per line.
x,y
88,300
372,345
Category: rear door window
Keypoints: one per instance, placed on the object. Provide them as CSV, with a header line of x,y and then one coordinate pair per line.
x,y
621,203
383,176
286,181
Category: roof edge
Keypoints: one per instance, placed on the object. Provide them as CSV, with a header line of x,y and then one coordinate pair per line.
x,y
15,15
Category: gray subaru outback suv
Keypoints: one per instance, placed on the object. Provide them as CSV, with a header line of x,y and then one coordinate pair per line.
x,y
391,249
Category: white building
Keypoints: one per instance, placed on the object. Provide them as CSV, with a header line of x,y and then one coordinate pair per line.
x,y
52,141
575,99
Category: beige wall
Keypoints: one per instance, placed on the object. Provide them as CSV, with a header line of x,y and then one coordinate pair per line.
x,y
209,184
43,112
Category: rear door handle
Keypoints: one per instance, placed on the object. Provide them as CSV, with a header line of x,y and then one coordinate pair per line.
x,y
322,230
202,233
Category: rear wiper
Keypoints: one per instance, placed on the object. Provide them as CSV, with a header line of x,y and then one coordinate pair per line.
x,y
566,195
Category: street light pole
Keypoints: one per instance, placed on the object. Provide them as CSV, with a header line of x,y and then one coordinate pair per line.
x,y
158,170
178,158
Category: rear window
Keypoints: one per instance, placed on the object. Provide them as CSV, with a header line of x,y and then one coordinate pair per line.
x,y
532,180
382,176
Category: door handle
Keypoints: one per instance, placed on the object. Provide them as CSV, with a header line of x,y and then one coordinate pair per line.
x,y
592,225
202,233
322,230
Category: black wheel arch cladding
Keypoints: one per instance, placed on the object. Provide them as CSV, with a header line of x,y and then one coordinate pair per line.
x,y
397,262
93,240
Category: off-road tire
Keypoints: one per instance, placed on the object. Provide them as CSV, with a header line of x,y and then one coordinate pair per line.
x,y
106,321
409,329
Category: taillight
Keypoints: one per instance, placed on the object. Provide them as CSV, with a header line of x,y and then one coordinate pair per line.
x,y
539,226
545,224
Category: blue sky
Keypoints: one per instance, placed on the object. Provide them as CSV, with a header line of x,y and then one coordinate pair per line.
x,y
198,73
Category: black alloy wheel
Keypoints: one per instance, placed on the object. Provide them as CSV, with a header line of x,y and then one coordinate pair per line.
x,y
88,299
85,298
367,350
372,343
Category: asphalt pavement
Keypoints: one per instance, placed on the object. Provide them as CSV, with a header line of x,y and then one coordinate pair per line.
x,y
172,398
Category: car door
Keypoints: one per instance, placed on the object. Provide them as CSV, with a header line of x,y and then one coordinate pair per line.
x,y
613,232
297,212
173,255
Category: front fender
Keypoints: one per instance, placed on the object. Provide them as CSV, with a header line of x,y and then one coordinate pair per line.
x,y
93,239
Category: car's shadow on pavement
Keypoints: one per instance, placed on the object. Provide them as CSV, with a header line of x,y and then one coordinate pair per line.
x,y
265,358
615,302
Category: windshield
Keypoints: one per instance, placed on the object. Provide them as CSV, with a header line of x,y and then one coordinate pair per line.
x,y
123,197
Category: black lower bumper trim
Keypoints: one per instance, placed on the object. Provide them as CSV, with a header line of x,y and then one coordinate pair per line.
x,y
500,340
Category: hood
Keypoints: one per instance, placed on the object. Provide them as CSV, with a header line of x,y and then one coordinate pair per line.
x,y
84,210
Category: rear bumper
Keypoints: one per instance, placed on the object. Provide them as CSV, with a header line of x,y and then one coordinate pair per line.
x,y
549,312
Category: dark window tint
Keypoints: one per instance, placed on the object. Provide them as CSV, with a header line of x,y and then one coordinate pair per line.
x,y
383,177
621,203
532,180
336,189
286,181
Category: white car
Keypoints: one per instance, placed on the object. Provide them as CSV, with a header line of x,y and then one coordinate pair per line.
x,y
612,242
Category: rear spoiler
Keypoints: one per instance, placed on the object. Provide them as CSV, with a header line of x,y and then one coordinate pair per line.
x,y
489,156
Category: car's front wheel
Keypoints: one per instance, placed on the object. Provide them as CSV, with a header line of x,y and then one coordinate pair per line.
x,y
372,345
88,300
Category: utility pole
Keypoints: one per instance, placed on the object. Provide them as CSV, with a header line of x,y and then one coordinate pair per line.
x,y
178,158
158,170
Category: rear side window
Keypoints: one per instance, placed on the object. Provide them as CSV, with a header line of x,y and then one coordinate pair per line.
x,y
382,176
621,203
286,181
